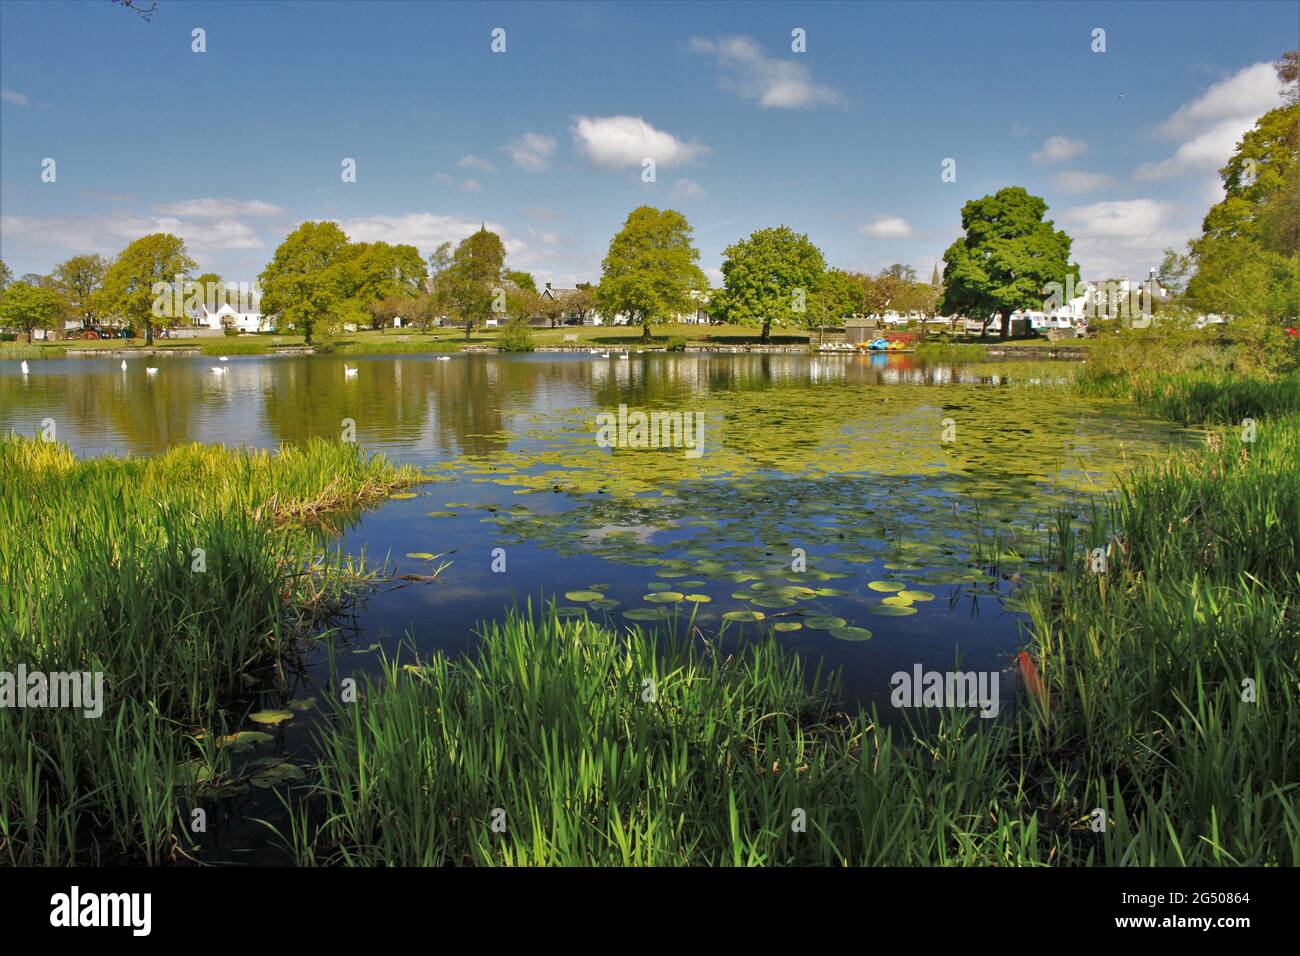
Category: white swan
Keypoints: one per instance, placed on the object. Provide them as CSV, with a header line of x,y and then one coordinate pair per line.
x,y
444,358
349,372
123,365
23,366
604,355
622,355
222,358
151,371
219,370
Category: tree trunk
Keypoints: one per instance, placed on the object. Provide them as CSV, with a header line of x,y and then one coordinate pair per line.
x,y
469,328
645,332
767,331
1005,331
148,333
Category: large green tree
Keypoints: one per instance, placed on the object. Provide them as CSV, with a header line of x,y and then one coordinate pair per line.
x,y
79,280
128,288
473,283
307,280
27,307
650,269
769,279
1006,259
6,274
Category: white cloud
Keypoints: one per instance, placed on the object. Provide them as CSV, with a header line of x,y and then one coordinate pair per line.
x,y
108,234
750,73
423,230
465,186
475,162
532,152
12,96
218,208
1211,125
888,227
1123,237
1251,92
1058,149
1079,181
686,189
618,141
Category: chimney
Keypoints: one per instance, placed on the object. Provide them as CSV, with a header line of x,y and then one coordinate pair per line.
x,y
548,285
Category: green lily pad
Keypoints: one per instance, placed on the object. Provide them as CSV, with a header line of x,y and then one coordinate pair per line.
x,y
421,555
568,610
440,514
305,703
850,634
896,601
916,595
744,616
643,614
822,622
886,586
402,496
698,598
583,595
787,626
271,717
605,604
889,611
244,740
664,597
277,774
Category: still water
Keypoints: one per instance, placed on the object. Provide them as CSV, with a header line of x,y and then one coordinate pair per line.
x,y
872,511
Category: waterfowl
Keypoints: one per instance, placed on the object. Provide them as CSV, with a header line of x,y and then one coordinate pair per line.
x,y
151,371
219,370
349,372
23,366
123,365
222,358
444,358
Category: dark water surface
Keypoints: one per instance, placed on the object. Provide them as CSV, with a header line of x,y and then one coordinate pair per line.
x,y
933,479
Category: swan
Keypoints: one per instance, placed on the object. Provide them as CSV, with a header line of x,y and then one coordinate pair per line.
x,y
23,366
123,365
151,371
219,370
444,358
222,358
604,355
622,355
349,372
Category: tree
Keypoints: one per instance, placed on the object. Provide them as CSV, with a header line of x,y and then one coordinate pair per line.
x,y
306,280
439,262
1247,258
650,269
6,274
473,280
838,296
581,302
128,287
768,280
1006,258
29,307
523,280
79,280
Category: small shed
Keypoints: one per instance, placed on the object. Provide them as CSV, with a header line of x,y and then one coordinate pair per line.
x,y
859,329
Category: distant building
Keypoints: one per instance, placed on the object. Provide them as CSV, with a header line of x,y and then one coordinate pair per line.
x,y
233,316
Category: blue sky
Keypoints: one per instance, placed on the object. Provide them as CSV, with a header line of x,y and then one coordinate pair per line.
x,y
232,148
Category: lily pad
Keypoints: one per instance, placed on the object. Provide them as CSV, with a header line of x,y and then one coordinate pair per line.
x,y
744,616
643,614
402,496
664,597
271,717
605,604
886,586
850,634
277,774
244,740
888,611
583,595
305,703
916,595
896,601
698,598
822,622
421,555
787,626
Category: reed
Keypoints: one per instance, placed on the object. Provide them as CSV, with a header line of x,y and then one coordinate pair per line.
x,y
183,579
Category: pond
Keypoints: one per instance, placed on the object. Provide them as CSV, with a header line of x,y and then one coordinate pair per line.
x,y
874,512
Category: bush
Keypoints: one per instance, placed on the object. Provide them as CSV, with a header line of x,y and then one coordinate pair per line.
x,y
676,344
515,337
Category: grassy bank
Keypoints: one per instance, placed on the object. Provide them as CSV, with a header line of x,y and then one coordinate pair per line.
x,y
1145,723
183,579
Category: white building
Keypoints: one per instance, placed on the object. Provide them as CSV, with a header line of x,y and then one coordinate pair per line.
x,y
233,316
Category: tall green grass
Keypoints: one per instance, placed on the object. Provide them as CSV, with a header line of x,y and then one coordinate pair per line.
x,y
98,573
